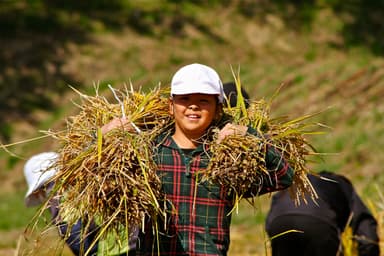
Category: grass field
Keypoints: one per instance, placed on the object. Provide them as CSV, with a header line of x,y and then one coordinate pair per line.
x,y
313,52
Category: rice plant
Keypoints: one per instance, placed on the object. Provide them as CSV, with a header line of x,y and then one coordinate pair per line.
x,y
239,161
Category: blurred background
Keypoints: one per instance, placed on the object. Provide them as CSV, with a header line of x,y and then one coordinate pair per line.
x,y
328,55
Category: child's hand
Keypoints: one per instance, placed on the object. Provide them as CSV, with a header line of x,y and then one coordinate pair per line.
x,y
231,129
116,123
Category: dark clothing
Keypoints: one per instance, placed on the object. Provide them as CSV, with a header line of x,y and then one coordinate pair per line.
x,y
77,241
200,212
337,201
230,92
301,244
81,240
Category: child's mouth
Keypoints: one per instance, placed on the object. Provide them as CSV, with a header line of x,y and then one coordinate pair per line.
x,y
194,117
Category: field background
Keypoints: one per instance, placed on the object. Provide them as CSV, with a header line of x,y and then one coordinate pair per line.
x,y
328,55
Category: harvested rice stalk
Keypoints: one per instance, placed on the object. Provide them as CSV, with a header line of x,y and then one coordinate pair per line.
x,y
290,138
98,188
110,178
237,162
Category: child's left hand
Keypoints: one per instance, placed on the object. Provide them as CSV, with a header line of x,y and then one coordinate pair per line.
x,y
231,129
116,123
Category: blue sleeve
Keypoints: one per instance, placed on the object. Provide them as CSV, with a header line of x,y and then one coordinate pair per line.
x,y
78,239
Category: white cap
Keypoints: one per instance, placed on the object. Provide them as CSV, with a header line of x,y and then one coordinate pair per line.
x,y
197,78
37,171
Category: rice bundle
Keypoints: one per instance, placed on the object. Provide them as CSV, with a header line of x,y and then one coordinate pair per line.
x,y
238,162
111,177
289,138
233,162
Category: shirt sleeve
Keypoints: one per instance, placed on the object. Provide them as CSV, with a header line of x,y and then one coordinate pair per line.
x,y
280,173
78,239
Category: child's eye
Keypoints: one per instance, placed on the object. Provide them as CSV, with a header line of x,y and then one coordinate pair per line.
x,y
183,98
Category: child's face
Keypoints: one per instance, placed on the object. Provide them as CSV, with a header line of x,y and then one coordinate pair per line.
x,y
193,113
39,195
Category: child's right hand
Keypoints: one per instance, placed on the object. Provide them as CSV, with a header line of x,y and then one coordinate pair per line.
x,y
117,123
231,129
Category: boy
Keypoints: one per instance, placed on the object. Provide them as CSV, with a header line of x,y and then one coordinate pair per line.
x,y
199,213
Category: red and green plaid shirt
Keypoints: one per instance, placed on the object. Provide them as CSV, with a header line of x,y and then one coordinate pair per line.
x,y
199,218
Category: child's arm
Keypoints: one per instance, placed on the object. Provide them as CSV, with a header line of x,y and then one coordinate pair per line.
x,y
280,173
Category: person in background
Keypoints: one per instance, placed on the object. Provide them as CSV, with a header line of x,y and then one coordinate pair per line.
x,y
38,170
320,225
199,212
37,173
230,92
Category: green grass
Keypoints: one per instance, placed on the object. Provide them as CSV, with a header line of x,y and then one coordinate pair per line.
x,y
13,212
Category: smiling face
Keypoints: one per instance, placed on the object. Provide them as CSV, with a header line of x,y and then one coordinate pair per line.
x,y
193,114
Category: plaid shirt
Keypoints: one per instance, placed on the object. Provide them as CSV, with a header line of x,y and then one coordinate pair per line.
x,y
199,211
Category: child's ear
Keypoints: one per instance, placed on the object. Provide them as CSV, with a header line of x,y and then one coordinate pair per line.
x,y
219,112
170,103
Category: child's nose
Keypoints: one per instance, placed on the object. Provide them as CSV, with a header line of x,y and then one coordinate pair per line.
x,y
193,107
